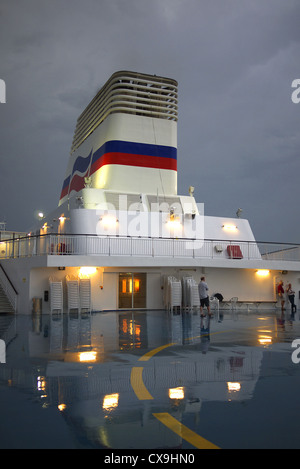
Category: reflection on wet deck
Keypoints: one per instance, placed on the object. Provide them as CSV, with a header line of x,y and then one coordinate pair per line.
x,y
219,377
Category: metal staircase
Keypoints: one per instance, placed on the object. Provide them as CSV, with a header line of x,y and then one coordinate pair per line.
x,y
5,305
8,293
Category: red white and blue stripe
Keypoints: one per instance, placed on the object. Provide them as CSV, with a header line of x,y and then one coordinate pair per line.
x,y
121,153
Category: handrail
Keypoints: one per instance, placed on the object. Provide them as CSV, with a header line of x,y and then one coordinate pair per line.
x,y
85,244
217,240
8,288
8,279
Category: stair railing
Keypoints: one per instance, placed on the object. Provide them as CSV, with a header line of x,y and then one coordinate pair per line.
x,y
8,288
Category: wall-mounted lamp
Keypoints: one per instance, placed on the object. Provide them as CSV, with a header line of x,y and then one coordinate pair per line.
x,y
109,221
262,272
230,227
174,222
87,271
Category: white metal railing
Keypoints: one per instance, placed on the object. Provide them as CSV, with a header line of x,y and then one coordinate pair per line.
x,y
59,244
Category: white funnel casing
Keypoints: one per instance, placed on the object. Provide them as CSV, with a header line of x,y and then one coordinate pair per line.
x,y
126,138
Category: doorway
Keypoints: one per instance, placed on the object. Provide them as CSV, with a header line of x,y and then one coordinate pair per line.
x,y
132,290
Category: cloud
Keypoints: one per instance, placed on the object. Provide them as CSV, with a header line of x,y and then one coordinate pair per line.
x,y
238,130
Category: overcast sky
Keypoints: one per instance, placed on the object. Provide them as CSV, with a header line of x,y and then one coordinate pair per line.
x,y
234,60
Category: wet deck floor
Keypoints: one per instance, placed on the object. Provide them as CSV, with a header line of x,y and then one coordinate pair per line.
x,y
149,379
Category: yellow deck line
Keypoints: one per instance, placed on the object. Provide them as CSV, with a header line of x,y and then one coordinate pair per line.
x,y
150,354
184,432
165,418
137,384
153,352
142,393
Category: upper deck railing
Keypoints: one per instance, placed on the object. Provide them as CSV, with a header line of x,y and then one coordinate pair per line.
x,y
60,244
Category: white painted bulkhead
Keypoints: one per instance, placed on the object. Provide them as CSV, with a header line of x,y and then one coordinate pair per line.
x,y
244,284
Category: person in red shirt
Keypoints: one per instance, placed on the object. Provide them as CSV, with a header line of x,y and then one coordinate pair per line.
x,y
280,292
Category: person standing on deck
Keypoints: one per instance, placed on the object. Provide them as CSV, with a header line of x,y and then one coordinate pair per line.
x,y
280,292
291,297
203,295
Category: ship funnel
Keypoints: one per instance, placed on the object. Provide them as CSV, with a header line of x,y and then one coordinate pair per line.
x,y
126,138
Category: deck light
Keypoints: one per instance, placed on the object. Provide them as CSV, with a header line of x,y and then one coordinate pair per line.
x,y
230,227
262,272
109,221
174,223
174,220
87,271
